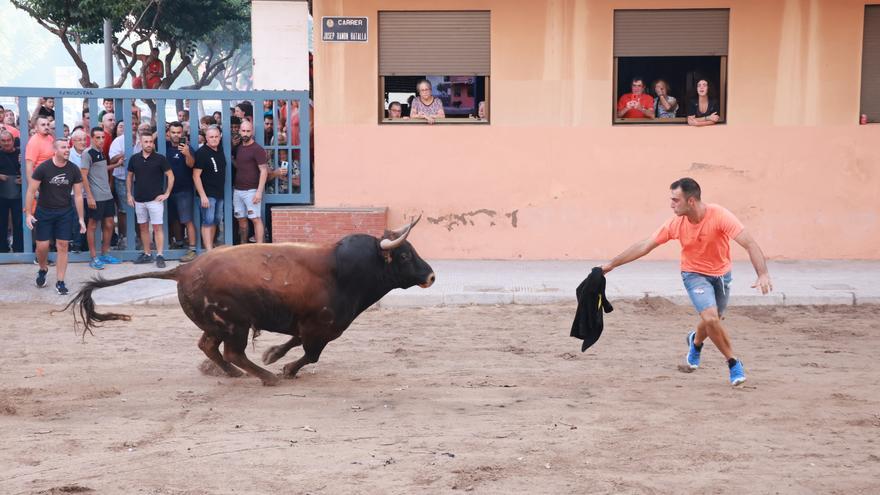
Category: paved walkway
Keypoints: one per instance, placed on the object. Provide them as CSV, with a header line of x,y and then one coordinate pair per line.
x,y
514,282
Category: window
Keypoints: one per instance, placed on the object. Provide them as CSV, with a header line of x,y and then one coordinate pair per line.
x,y
678,47
870,101
436,62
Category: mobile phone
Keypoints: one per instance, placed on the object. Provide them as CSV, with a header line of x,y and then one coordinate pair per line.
x,y
183,141
284,165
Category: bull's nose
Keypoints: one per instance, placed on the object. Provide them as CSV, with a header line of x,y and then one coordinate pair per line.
x,y
428,281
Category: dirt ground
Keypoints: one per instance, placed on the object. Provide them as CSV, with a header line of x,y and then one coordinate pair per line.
x,y
447,400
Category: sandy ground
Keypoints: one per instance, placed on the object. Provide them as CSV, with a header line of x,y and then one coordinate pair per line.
x,y
447,400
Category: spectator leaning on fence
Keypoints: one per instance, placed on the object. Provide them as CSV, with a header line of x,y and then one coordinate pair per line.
x,y
181,158
147,171
209,177
251,172
10,193
40,146
100,207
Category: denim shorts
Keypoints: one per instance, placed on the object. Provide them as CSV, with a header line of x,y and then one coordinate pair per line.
x,y
183,202
213,214
707,291
120,194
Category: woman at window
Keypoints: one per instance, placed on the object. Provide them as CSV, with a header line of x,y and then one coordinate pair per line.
x,y
703,110
425,106
665,105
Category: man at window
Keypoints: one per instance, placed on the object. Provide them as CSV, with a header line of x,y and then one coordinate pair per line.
x,y
637,104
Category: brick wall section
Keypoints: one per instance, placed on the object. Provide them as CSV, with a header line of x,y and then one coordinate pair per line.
x,y
310,224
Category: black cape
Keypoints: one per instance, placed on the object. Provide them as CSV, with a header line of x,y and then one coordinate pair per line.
x,y
591,298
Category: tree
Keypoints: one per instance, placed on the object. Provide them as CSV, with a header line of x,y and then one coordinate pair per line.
x,y
139,25
223,55
75,24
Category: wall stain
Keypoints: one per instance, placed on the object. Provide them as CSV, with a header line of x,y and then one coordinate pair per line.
x,y
512,217
708,167
465,219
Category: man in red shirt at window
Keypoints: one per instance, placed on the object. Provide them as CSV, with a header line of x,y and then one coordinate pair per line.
x,y
636,105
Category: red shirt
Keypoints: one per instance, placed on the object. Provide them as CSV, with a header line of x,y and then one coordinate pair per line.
x,y
646,101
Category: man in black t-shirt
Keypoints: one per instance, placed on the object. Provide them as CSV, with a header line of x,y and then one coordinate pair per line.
x,y
209,176
10,193
146,173
53,219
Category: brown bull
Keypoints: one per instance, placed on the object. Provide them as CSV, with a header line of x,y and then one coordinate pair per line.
x,y
311,292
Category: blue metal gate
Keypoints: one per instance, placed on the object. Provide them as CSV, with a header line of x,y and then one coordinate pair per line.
x,y
296,188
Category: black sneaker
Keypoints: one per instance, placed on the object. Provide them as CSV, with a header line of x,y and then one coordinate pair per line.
x,y
160,261
60,288
41,278
143,259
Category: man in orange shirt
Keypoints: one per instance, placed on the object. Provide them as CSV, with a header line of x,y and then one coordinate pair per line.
x,y
41,146
636,105
704,231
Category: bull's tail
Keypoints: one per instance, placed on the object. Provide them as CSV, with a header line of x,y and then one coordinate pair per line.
x,y
83,306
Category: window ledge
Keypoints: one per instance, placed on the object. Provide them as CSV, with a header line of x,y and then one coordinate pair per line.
x,y
403,121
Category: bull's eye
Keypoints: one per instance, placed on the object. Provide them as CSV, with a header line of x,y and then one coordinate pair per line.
x,y
405,256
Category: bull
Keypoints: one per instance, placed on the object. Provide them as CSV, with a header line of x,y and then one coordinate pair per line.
x,y
311,292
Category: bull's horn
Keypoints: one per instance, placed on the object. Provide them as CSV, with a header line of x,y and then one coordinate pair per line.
x,y
402,233
399,232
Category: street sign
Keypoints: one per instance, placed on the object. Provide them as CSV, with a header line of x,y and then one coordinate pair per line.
x,y
344,29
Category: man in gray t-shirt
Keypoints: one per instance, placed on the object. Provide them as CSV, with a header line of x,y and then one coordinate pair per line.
x,y
100,206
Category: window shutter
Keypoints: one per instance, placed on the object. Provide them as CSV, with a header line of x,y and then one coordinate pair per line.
x,y
450,43
671,33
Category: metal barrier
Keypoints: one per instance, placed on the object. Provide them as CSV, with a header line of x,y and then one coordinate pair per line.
x,y
296,189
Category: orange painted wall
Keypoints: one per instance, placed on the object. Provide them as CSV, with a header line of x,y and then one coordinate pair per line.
x,y
552,178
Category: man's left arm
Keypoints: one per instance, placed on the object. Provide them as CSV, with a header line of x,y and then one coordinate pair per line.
x,y
264,174
745,240
169,175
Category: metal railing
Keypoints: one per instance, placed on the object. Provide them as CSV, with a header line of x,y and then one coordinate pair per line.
x,y
296,188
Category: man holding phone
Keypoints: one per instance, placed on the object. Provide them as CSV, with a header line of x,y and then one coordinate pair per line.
x,y
182,158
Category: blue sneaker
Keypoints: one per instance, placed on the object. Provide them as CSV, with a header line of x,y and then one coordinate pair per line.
x,y
693,357
96,263
737,373
41,278
109,259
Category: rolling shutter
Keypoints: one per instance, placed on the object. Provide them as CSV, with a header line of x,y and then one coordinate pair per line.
x,y
871,64
451,43
671,33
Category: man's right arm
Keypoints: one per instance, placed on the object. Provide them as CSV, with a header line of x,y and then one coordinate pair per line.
x,y
631,253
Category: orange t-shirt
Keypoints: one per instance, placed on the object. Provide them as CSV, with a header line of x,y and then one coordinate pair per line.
x,y
40,148
705,246
16,134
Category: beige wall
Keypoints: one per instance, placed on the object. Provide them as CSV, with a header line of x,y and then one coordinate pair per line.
x,y
273,20
551,178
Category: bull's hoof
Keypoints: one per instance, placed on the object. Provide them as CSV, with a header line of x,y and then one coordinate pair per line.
x,y
210,368
270,380
271,355
290,370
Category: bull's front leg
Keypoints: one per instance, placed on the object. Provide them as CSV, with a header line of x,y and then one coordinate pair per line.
x,y
277,352
313,348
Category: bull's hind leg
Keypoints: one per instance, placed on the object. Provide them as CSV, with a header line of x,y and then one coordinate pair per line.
x,y
233,351
210,345
277,352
